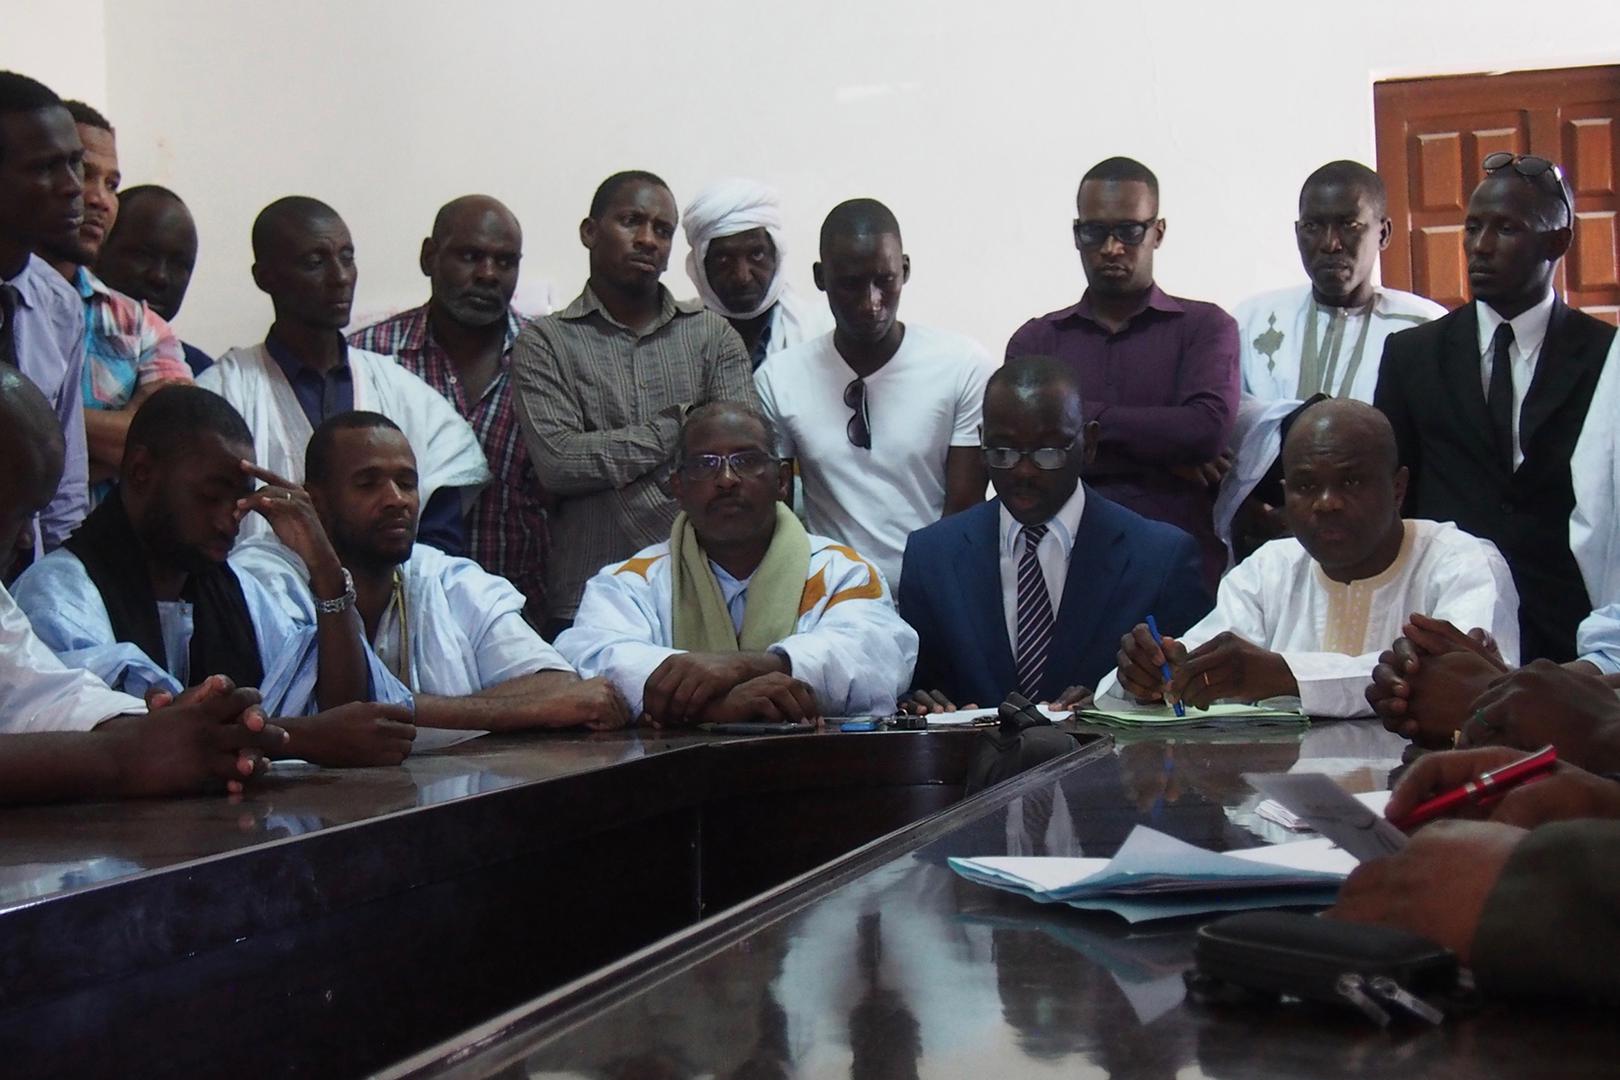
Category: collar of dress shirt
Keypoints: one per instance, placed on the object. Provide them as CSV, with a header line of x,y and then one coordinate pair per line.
x,y
1529,327
1155,298
290,365
1064,524
669,307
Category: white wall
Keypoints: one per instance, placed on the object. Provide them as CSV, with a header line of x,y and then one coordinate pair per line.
x,y
61,43
973,121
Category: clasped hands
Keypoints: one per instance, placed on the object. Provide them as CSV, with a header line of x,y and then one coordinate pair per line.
x,y
720,688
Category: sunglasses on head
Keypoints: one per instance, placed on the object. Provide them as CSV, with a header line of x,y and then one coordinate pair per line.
x,y
1532,168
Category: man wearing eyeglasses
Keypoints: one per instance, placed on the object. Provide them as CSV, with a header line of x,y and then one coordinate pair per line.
x,y
881,415
741,615
1032,590
1488,402
1160,373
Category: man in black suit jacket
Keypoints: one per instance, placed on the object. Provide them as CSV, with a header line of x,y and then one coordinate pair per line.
x,y
1487,403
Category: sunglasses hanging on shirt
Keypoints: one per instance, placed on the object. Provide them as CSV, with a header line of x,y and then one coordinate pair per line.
x,y
860,424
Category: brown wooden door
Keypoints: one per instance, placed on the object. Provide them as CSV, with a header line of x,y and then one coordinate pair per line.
x,y
1432,136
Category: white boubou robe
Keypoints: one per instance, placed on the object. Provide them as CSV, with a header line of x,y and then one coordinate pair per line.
x,y
447,451
1331,633
849,644
1278,330
1594,527
465,626
70,617
40,693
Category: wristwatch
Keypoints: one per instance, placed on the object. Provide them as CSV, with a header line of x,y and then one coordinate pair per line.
x,y
342,603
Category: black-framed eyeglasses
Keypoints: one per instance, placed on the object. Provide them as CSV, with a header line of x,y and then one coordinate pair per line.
x,y
860,424
1047,457
1096,233
1532,168
744,464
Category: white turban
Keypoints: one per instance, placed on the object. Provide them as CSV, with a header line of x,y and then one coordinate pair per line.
x,y
726,208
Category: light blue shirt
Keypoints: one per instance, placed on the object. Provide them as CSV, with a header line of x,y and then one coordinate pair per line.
x,y
734,592
49,335
70,617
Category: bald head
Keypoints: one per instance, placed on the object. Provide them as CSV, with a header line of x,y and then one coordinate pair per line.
x,y
1343,485
858,218
728,413
31,445
291,214
1354,423
472,260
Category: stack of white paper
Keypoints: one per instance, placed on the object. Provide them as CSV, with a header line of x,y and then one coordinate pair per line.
x,y
1155,876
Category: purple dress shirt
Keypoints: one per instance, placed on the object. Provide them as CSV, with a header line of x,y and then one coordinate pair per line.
x,y
1164,392
49,335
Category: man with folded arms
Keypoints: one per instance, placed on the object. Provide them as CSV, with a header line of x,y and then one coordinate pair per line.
x,y
741,614
216,736
143,596
1306,616
738,263
452,633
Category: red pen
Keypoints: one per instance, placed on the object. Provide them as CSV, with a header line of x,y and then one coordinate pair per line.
x,y
1483,789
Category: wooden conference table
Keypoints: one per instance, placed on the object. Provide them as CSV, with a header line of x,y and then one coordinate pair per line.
x,y
645,906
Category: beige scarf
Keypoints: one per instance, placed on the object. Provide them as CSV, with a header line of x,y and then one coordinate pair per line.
x,y
702,623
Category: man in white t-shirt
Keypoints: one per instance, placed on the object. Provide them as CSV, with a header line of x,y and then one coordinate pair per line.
x,y
882,417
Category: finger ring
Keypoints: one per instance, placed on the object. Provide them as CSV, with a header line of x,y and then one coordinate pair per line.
x,y
1206,678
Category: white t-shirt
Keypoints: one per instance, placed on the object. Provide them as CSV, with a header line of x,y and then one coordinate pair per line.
x,y
926,399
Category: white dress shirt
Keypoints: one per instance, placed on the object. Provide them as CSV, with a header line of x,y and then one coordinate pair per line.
x,y
1529,331
1052,553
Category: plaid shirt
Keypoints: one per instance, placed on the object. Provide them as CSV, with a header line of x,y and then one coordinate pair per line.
x,y
506,530
126,346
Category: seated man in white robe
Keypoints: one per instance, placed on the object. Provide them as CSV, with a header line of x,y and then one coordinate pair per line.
x,y
452,633
741,614
1594,528
63,733
142,594
304,371
739,264
1307,616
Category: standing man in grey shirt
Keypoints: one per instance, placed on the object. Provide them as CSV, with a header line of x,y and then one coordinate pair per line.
x,y
603,384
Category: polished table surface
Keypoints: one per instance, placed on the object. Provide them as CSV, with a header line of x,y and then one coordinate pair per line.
x,y
887,965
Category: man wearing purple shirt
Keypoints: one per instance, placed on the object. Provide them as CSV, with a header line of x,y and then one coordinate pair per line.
x,y
1158,373
41,316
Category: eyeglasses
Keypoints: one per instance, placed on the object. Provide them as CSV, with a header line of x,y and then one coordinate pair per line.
x,y
860,425
1047,457
1531,168
744,464
1096,233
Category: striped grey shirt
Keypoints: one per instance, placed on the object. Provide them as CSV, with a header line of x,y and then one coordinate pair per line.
x,y
600,407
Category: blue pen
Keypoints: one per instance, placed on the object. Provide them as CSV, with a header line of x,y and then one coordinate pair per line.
x,y
1153,628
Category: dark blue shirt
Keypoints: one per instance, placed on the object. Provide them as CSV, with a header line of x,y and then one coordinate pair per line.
x,y
324,394
197,360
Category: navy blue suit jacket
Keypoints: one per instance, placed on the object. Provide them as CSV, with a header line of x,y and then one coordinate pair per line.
x,y
1122,568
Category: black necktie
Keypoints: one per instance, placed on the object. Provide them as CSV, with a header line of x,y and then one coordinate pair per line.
x,y
1499,401
10,298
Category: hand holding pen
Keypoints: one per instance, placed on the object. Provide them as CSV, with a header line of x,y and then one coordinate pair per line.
x,y
1145,664
1506,786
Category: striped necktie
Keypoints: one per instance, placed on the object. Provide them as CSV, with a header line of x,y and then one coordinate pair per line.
x,y
1034,615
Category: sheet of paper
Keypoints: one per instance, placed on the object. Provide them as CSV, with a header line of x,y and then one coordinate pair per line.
x,y
429,739
964,717
1332,811
1111,712
1276,812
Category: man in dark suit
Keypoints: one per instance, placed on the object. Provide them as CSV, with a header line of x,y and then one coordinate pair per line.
x,y
1487,403
1032,590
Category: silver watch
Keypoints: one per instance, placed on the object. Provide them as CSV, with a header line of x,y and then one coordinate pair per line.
x,y
342,603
